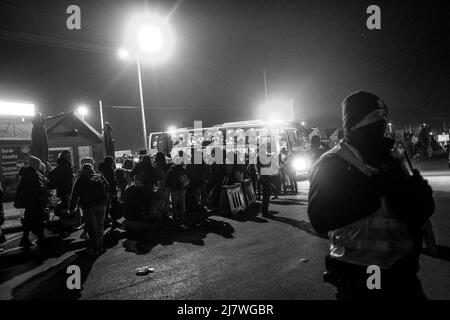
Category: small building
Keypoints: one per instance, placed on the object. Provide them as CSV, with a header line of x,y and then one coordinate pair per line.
x,y
64,131
68,131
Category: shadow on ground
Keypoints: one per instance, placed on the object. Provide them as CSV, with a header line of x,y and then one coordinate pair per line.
x,y
303,225
290,202
28,259
194,233
55,288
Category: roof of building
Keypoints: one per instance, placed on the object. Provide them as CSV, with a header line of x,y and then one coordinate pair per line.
x,y
14,129
52,122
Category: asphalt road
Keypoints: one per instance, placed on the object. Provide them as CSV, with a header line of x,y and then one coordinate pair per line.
x,y
246,258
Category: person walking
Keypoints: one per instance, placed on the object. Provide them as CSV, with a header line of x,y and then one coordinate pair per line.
x,y
372,209
90,193
268,171
31,196
106,168
177,182
60,178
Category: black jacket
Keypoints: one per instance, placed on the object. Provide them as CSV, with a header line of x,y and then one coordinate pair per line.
x,y
61,178
31,192
89,191
340,194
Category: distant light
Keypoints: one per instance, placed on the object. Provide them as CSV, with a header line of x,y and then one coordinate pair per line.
x,y
82,111
431,133
275,121
301,164
171,129
273,110
303,123
16,109
123,54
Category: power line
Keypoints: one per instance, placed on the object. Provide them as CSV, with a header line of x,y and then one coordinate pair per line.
x,y
96,48
164,107
53,42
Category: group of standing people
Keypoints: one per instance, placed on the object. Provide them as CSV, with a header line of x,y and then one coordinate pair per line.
x,y
87,190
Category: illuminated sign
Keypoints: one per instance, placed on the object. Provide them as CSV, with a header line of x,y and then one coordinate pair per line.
x,y
16,109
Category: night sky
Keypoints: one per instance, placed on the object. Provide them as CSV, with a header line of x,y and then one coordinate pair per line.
x,y
316,52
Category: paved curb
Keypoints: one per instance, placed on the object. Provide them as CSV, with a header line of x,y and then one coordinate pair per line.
x,y
23,285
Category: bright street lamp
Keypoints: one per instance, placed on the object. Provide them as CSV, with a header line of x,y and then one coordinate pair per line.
x,y
148,38
82,111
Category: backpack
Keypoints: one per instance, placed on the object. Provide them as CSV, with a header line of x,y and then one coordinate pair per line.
x,y
98,188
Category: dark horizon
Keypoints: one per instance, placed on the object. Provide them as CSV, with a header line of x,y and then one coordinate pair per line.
x,y
316,53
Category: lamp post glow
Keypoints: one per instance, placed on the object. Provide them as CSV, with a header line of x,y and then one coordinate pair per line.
x,y
82,111
148,37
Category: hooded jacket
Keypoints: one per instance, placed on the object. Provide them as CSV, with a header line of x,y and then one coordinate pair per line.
x,y
90,190
61,178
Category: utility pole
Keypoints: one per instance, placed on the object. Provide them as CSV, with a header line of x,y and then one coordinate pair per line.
x,y
292,109
101,116
265,84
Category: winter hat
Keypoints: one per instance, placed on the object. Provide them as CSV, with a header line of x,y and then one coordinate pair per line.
x,y
360,109
87,161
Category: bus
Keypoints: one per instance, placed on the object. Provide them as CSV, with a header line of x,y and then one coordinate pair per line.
x,y
242,136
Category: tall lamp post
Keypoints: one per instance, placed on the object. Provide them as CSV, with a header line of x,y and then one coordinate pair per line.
x,y
149,38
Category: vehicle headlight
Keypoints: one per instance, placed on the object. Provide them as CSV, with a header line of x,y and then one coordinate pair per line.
x,y
302,164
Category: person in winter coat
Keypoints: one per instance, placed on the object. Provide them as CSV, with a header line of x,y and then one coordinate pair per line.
x,y
177,182
217,178
90,193
31,195
372,209
60,178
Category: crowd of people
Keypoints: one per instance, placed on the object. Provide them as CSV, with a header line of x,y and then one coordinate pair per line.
x,y
360,196
154,192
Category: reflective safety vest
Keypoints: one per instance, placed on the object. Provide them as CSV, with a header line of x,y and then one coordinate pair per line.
x,y
379,239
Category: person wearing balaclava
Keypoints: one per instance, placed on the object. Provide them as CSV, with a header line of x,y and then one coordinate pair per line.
x,y
31,195
372,210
